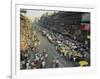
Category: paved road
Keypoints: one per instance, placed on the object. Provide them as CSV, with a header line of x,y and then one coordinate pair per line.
x,y
52,53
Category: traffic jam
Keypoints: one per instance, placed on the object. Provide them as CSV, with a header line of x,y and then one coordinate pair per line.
x,y
54,39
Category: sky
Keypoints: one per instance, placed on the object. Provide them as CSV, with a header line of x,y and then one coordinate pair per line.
x,y
36,13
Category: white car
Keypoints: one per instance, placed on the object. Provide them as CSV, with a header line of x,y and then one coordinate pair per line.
x,y
44,32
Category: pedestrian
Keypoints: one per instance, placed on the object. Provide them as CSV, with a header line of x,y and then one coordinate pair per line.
x,y
74,59
27,65
46,56
40,55
57,63
66,56
44,51
23,64
26,56
56,47
36,58
70,55
53,63
33,65
43,64
42,58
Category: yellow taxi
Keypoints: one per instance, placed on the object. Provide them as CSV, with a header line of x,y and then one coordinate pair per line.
x,y
83,63
78,54
63,49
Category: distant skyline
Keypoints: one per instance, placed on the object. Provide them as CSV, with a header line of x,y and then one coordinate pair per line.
x,y
38,13
86,17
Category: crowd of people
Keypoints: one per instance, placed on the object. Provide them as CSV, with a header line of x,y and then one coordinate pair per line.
x,y
31,59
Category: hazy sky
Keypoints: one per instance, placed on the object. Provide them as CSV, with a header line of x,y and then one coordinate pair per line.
x,y
36,13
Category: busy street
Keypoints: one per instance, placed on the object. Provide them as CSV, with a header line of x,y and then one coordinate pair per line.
x,y
49,41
